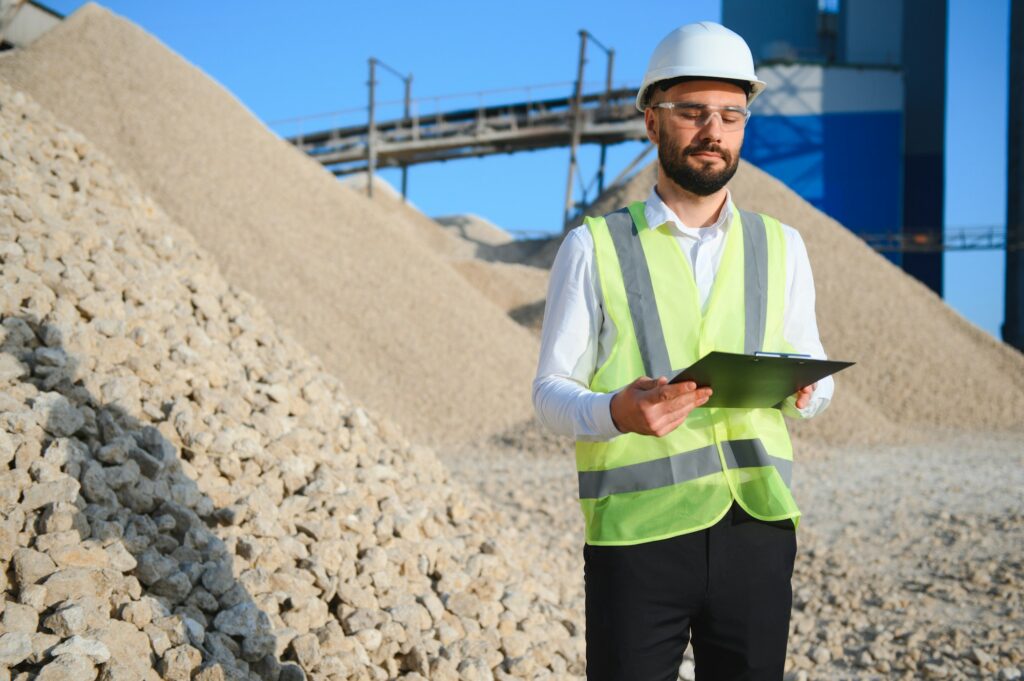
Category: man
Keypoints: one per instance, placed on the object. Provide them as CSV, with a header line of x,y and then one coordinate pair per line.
x,y
690,524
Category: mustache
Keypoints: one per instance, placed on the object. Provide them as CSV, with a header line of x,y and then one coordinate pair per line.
x,y
713,148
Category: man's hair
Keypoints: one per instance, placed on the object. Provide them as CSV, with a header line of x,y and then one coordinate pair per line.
x,y
664,85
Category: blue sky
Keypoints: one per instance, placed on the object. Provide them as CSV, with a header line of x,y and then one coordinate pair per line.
x,y
292,59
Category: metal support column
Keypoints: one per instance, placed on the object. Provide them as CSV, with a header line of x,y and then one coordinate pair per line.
x,y
408,106
371,136
575,131
924,133
1013,323
604,104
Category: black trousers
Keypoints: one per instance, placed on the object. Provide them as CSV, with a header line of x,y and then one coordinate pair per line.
x,y
727,586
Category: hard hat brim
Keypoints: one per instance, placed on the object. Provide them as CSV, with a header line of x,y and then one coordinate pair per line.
x,y
655,77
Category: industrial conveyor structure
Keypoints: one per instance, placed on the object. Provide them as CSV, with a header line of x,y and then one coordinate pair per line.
x,y
605,118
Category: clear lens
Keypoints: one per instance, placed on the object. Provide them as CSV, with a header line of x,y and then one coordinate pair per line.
x,y
693,115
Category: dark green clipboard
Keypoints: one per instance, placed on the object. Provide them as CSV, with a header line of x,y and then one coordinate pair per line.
x,y
755,381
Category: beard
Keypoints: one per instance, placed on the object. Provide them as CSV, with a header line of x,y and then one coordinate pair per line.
x,y
704,180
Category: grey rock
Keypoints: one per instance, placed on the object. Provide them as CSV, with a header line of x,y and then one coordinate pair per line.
x,y
148,465
67,621
139,613
119,557
362,619
196,631
57,415
115,452
70,583
174,588
306,649
217,578
19,618
154,566
31,566
244,619
258,645
212,671
11,368
122,391
95,488
42,493
15,646
291,672
34,596
68,666
78,645
177,663
42,644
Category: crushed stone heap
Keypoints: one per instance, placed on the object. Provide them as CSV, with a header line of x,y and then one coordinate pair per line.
x,y
186,493
354,280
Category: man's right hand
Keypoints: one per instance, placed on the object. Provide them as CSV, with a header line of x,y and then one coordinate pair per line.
x,y
654,407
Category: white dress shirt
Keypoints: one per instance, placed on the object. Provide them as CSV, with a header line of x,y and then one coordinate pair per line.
x,y
578,335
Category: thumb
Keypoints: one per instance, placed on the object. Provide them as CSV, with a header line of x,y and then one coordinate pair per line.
x,y
644,383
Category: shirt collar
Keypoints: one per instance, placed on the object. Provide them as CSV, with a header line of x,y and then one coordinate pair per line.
x,y
657,213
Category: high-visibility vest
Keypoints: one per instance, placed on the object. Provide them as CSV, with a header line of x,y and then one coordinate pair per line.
x,y
638,488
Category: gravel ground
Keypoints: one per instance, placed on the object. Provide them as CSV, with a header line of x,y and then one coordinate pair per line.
x,y
910,559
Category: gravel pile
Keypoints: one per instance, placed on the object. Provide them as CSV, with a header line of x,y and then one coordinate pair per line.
x,y
355,280
467,243
476,230
186,493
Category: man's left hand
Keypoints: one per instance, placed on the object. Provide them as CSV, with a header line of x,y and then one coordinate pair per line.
x,y
803,395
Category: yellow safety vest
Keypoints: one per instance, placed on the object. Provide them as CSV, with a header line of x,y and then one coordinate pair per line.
x,y
638,488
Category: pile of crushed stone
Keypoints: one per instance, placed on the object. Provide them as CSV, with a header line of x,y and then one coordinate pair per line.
x,y
186,493
355,280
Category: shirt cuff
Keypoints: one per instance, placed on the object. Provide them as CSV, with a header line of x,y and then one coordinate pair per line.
x,y
601,415
813,408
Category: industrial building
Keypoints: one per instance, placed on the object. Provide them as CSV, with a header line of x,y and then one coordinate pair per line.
x,y
854,115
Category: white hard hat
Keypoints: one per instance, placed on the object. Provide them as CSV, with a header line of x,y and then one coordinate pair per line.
x,y
702,49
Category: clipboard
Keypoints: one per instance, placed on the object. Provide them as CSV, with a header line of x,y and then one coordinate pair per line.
x,y
757,381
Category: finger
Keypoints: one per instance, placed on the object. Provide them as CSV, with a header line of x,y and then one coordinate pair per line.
x,y
680,407
644,383
673,419
676,389
692,395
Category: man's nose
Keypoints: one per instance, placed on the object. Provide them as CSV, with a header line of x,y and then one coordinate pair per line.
x,y
712,128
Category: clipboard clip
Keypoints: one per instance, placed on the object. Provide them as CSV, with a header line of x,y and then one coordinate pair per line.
x,y
784,355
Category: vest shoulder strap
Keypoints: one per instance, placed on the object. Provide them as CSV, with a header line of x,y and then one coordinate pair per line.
x,y
643,309
755,278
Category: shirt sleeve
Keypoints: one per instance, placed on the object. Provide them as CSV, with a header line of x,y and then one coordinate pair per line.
x,y
562,399
800,325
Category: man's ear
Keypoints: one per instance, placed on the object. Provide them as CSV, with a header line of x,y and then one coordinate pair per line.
x,y
651,123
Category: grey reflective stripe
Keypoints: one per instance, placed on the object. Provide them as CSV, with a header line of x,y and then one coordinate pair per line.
x,y
752,454
643,308
678,468
639,477
639,293
755,280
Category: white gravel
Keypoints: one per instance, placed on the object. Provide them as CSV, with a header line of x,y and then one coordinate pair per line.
x,y
910,559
